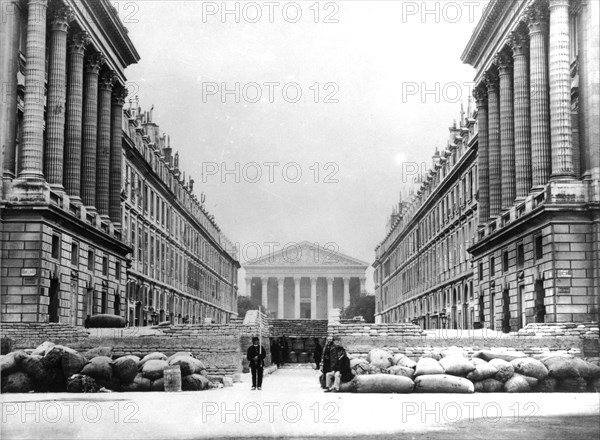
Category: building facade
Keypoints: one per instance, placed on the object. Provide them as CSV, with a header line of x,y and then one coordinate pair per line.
x,y
422,268
530,246
65,252
304,281
537,250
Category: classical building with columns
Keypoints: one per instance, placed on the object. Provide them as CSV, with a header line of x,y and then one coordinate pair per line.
x,y
304,281
522,243
537,250
66,212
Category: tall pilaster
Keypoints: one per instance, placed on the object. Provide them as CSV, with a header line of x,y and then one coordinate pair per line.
x,y
346,291
507,131
313,297
280,298
55,107
297,281
103,146
72,164
329,294
494,145
265,296
520,50
116,155
9,67
560,91
536,19
90,129
483,176
32,151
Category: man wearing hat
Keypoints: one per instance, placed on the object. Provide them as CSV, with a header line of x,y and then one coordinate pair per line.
x,y
256,356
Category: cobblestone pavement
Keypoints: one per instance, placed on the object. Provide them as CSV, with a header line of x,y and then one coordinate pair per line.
x,y
292,405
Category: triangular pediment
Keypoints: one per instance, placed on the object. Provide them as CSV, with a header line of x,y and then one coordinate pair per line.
x,y
306,254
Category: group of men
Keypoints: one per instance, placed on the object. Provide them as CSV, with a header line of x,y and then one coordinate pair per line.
x,y
332,361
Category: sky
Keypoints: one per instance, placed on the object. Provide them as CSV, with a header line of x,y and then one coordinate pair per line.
x,y
302,121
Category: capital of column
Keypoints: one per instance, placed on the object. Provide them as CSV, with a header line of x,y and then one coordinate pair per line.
x,y
481,96
346,279
491,81
519,43
297,279
558,3
79,42
62,16
536,18
313,281
107,80
330,280
280,280
504,63
94,62
264,280
118,96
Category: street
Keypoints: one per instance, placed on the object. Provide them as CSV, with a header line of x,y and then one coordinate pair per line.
x,y
292,405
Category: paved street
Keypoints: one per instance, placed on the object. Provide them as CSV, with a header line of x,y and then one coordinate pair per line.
x,y
292,405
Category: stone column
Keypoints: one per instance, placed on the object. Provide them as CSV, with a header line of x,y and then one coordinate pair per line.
x,y
265,296
481,97
560,91
540,108
90,129
280,298
346,291
520,47
297,297
249,287
116,155
10,32
55,107
507,131
32,150
494,145
103,143
329,294
313,297
72,163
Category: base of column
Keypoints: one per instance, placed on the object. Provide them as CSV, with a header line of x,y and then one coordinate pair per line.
x,y
105,218
57,188
28,190
91,210
75,200
563,177
536,190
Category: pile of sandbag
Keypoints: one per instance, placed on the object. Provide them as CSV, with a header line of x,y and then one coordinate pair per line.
x,y
487,371
56,368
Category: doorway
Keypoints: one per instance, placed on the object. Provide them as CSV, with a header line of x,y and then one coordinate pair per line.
x,y
54,303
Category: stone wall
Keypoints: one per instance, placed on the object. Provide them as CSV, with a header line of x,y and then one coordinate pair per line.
x,y
398,330
33,334
296,328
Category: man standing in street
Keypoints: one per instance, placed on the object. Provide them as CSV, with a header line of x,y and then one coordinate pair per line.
x,y
256,356
318,354
328,360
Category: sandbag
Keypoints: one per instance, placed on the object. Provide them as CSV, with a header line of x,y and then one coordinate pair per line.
x,y
433,355
11,362
543,357
428,366
457,365
106,321
194,382
359,367
398,370
373,369
18,382
188,365
53,357
380,358
125,368
505,369
482,371
561,367
382,383
488,386
99,368
140,383
487,355
478,361
179,353
586,369
158,385
443,383
530,367
98,351
547,385
517,384
347,387
593,385
80,383
33,366
572,385
153,369
453,351
152,356
72,362
43,348
404,361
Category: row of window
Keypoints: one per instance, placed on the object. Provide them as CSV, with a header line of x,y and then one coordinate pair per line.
x,y
56,254
520,257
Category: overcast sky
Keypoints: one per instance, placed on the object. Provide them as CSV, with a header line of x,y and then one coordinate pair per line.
x,y
379,84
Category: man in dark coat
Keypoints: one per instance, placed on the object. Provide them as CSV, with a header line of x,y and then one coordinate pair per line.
x,y
256,356
328,360
318,354
275,352
341,371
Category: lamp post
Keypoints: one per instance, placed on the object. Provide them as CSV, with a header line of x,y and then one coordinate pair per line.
x,y
443,317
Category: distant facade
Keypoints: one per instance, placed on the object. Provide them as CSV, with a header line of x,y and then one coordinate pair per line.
x,y
304,281
530,251
66,212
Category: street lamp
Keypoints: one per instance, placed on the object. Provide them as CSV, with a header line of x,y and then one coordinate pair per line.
x,y
443,317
